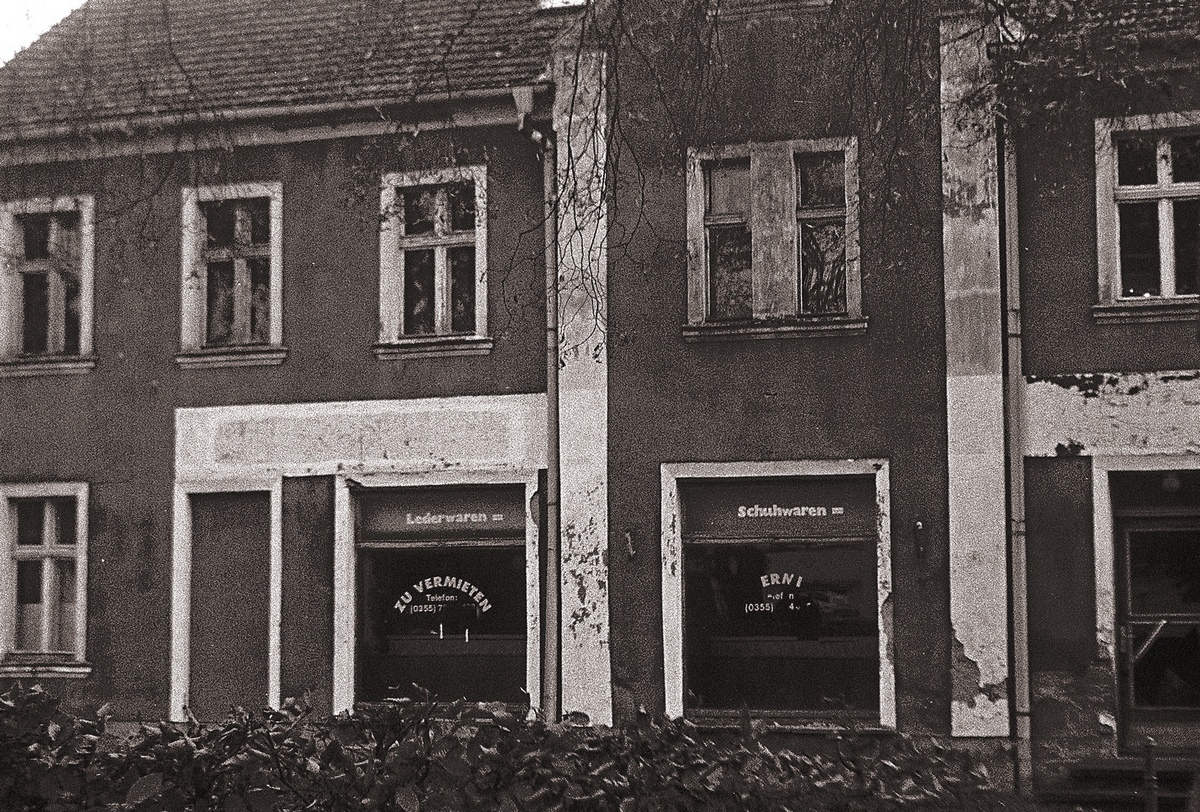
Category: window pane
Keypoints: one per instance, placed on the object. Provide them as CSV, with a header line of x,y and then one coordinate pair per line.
x,y
729,295
259,209
35,329
1164,571
219,327
1187,247
451,620
71,305
64,517
260,300
62,621
823,260
66,244
821,179
1185,159
29,605
36,228
462,289
461,197
420,209
1139,249
781,625
31,522
1136,161
729,188
220,218
418,292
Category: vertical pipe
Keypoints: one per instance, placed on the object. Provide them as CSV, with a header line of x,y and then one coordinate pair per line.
x,y
551,680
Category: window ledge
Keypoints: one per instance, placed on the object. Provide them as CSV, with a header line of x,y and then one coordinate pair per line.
x,y
770,721
432,347
750,331
1150,310
211,358
23,669
39,365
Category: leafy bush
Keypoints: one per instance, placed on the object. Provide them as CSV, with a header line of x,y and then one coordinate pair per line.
x,y
415,755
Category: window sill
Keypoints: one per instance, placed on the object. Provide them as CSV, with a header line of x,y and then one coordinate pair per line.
x,y
751,331
44,365
32,667
212,358
432,347
1150,310
784,722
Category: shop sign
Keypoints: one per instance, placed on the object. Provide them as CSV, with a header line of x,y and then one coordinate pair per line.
x,y
474,512
791,507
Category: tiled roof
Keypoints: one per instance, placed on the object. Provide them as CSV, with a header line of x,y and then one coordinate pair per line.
x,y
113,59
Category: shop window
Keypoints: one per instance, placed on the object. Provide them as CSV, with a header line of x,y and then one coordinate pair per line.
x,y
46,286
43,529
442,593
782,597
433,262
232,275
773,233
1148,214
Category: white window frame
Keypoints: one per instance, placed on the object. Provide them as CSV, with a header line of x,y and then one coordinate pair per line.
x,y
773,215
345,563
12,362
54,664
194,270
673,565
391,262
1164,191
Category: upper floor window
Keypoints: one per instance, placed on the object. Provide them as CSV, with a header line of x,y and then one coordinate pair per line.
x,y
433,263
773,237
1148,211
46,285
232,274
43,573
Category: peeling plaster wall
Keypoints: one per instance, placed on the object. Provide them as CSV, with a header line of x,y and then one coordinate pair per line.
x,y
974,393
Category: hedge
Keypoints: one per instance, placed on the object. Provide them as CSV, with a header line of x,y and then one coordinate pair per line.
x,y
417,755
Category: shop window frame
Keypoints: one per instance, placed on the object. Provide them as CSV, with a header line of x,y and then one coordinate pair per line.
x,y
393,342
774,220
43,663
673,577
1112,305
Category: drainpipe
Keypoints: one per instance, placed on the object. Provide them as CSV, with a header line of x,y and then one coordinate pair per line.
x,y
1014,384
551,688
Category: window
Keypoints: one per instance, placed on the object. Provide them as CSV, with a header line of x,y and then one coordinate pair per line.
x,y
773,239
232,275
46,286
44,574
1148,215
776,583
443,590
433,263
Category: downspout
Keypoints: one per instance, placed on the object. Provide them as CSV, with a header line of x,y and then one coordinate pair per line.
x,y
551,688
1014,386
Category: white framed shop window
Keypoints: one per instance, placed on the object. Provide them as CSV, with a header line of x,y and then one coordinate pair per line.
x,y
43,579
770,572
181,583
447,616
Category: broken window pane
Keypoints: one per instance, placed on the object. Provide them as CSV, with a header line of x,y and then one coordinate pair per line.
x,y
420,209
1139,249
1185,159
220,219
219,324
730,292
29,606
461,199
62,621
821,179
823,262
462,289
259,210
35,332
71,306
31,522
418,292
1187,247
36,228
260,300
1136,161
729,188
